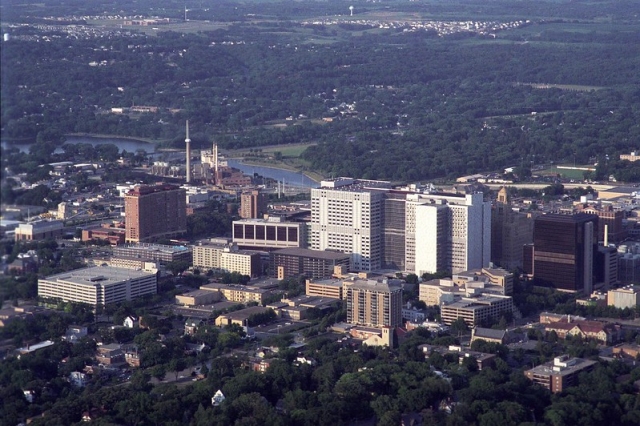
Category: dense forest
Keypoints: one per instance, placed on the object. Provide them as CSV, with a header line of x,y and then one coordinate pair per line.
x,y
563,87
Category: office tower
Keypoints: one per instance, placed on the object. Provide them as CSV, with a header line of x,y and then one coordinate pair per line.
x,y
253,204
609,221
187,142
510,231
372,303
605,270
447,232
393,230
564,247
153,212
347,216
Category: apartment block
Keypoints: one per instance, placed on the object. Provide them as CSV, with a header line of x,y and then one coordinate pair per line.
x,y
153,212
253,204
373,303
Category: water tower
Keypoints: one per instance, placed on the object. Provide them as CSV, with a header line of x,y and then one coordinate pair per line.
x,y
351,10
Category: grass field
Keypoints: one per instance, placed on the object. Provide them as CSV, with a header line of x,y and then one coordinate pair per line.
x,y
573,87
567,173
288,151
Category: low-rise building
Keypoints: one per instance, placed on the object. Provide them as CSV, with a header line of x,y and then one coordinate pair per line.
x,y
559,374
489,335
75,333
198,297
40,230
114,235
216,255
98,285
483,360
270,233
191,325
331,288
240,317
475,310
596,330
468,283
151,266
624,297
109,354
293,262
157,252
413,315
238,293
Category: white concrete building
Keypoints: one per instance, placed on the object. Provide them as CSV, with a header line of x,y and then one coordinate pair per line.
x,y
624,297
447,232
226,257
346,215
98,285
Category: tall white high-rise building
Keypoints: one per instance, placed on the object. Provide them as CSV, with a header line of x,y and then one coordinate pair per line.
x,y
347,215
447,232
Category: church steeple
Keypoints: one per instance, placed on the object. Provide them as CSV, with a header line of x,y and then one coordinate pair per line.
x,y
503,196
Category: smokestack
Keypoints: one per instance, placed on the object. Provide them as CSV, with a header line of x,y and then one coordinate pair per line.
x,y
606,235
187,141
215,158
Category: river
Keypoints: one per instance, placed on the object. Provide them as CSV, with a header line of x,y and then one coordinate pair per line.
x,y
131,145
289,177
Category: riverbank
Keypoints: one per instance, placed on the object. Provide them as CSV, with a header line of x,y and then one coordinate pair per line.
x,y
279,165
107,136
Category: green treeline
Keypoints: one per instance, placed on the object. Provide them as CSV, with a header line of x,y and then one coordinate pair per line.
x,y
405,105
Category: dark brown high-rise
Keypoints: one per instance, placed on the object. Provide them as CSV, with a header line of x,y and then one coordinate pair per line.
x,y
154,212
563,252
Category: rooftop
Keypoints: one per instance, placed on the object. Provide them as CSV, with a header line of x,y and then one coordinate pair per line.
x,y
244,314
318,254
568,366
146,247
98,275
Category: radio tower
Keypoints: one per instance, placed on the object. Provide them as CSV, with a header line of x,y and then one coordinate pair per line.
x,y
187,141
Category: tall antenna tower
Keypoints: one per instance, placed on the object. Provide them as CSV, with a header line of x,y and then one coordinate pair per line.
x,y
187,142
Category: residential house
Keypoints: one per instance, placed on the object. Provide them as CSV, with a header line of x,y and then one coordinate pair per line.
x,y
191,325
131,322
110,354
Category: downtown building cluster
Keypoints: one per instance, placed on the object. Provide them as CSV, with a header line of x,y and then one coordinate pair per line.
x,y
407,229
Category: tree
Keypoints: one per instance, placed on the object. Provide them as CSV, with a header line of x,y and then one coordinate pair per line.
x,y
177,267
459,326
177,365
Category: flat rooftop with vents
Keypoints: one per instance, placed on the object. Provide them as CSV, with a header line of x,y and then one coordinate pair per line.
x,y
98,285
